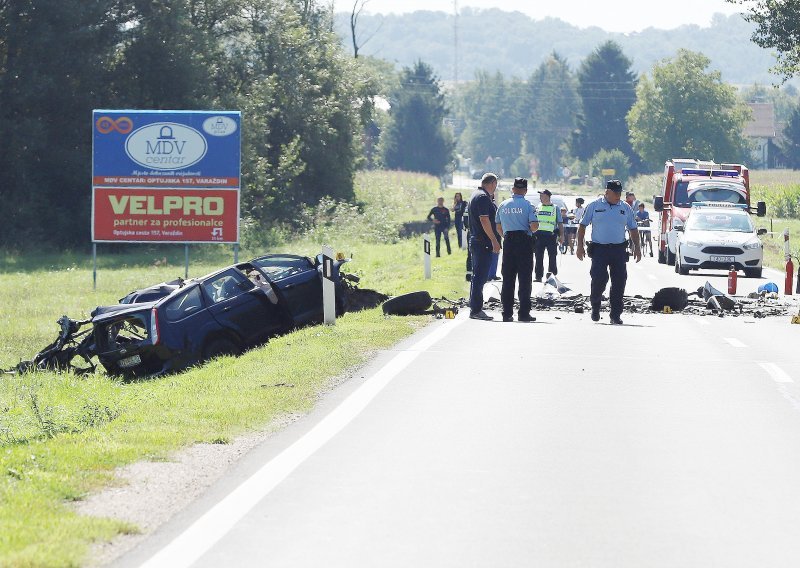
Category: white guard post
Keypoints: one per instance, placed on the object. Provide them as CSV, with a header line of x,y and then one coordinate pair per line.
x,y
426,250
464,239
328,286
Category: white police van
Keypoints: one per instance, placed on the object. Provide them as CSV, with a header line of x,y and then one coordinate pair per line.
x,y
717,236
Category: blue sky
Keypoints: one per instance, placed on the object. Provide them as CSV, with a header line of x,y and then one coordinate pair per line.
x,y
611,15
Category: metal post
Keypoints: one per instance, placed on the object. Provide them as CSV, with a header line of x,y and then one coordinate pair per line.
x,y
186,272
426,250
464,244
94,262
328,286
236,253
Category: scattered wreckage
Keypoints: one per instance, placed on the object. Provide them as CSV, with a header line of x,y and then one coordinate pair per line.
x,y
174,325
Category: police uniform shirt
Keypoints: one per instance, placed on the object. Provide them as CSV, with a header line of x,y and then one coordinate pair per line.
x,y
481,204
516,214
608,221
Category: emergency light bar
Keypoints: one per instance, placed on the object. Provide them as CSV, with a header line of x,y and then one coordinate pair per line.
x,y
718,173
720,204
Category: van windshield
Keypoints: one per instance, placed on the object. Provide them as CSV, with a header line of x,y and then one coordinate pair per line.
x,y
701,192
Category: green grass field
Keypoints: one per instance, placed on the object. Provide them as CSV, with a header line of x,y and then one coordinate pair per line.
x,y
62,436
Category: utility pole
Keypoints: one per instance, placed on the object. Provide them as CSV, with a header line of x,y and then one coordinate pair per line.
x,y
455,43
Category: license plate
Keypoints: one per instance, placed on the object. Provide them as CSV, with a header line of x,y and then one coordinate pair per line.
x,y
129,361
722,258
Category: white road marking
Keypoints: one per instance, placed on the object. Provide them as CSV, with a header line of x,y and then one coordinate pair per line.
x,y
701,321
652,277
778,375
735,342
206,531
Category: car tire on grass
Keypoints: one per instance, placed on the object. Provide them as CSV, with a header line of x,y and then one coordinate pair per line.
x,y
218,347
414,303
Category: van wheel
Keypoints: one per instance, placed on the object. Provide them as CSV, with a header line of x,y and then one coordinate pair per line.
x,y
219,347
661,258
408,304
670,257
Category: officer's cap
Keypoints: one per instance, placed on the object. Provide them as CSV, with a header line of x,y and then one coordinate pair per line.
x,y
614,185
520,183
546,192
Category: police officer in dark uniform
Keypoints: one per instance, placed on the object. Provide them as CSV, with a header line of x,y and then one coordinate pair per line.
x,y
609,217
483,241
516,218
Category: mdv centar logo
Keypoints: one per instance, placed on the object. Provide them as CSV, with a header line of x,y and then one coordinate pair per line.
x,y
166,146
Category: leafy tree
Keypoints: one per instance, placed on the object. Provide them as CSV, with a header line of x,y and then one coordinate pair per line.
x,y
783,98
490,109
791,144
607,88
685,110
610,159
550,109
298,95
416,139
54,68
778,28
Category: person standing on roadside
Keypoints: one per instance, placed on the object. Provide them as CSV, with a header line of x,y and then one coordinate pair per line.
x,y
516,218
483,241
609,217
441,224
459,206
551,230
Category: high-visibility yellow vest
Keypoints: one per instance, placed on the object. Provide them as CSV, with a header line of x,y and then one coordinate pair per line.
x,y
547,217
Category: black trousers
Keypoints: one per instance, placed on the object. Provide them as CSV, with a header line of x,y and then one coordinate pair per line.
x,y
609,260
546,241
439,230
459,230
517,264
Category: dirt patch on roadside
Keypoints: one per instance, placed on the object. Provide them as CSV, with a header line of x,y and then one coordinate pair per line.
x,y
148,493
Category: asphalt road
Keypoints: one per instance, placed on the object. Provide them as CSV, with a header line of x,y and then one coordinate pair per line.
x,y
670,441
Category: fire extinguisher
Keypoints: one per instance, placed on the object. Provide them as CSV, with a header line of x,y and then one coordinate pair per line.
x,y
732,280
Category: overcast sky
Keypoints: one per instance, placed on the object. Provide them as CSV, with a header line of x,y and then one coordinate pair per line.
x,y
611,15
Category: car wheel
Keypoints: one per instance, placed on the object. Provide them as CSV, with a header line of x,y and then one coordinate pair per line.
x,y
219,347
661,258
408,304
752,272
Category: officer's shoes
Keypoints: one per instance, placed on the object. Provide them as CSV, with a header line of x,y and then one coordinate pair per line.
x,y
526,317
481,315
508,319
596,314
616,320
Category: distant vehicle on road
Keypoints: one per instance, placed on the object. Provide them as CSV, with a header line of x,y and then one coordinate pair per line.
x,y
718,236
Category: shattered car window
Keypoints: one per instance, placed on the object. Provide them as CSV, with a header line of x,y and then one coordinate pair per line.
x,y
184,305
226,286
281,267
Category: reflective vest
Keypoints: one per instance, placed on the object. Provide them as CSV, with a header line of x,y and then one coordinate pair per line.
x,y
547,218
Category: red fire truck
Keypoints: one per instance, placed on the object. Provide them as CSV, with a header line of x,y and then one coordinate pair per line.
x,y
688,181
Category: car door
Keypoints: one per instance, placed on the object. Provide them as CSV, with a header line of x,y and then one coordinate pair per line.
x,y
237,304
299,283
